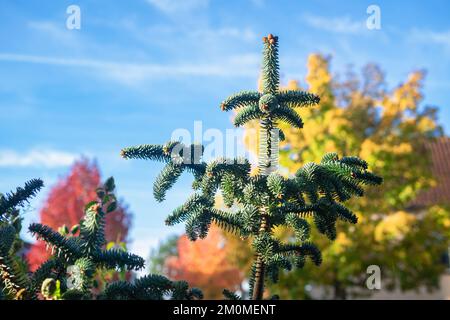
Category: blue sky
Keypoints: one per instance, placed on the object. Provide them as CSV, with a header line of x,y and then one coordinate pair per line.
x,y
138,69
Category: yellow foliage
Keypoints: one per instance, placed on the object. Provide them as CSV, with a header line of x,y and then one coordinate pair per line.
x,y
341,243
394,226
318,77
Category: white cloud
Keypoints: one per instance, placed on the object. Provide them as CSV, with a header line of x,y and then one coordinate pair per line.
x,y
336,24
36,158
246,34
146,239
144,245
142,248
177,6
203,42
258,3
428,36
132,73
52,30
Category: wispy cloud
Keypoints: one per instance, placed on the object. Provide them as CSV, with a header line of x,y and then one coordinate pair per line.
x,y
428,36
147,239
201,44
36,158
223,33
129,73
55,31
343,25
258,3
177,6
142,246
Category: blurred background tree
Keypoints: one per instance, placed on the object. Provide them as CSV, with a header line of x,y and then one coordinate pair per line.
x,y
203,263
65,207
158,255
358,116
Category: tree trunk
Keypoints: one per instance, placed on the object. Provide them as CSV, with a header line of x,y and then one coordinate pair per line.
x,y
258,290
267,163
260,268
340,293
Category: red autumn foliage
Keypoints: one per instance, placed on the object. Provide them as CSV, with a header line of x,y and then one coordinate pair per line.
x,y
204,264
65,206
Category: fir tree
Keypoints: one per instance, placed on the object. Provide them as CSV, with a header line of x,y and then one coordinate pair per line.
x,y
13,276
70,195
76,256
266,200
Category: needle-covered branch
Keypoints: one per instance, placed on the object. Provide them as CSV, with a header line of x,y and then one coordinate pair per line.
x,y
19,197
151,287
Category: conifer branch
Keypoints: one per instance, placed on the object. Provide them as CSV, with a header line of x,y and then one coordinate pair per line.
x,y
239,100
246,114
289,116
229,295
68,248
165,180
20,196
118,259
151,287
297,99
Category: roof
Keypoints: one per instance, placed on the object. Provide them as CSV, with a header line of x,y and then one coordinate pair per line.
x,y
440,158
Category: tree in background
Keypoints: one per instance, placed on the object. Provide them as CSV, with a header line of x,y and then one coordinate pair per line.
x,y
204,264
358,115
65,207
158,256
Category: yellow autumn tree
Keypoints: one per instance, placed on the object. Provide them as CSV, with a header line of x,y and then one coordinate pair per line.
x,y
359,116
